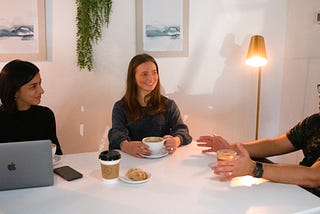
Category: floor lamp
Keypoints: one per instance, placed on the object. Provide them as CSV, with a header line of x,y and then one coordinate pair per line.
x,y
257,57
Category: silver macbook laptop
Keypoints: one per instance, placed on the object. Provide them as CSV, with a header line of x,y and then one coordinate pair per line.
x,y
25,164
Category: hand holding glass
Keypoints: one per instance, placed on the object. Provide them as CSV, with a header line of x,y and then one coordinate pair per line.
x,y
226,154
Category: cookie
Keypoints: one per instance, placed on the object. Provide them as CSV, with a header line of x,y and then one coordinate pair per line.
x,y
136,174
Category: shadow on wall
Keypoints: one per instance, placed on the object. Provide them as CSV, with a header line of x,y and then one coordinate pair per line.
x,y
84,117
229,110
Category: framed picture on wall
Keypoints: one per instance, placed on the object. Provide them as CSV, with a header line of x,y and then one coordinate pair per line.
x,y
22,30
162,27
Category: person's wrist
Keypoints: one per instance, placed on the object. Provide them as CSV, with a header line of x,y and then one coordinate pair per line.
x,y
251,167
258,170
178,140
122,145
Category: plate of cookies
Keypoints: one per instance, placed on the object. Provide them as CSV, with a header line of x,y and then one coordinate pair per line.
x,y
135,176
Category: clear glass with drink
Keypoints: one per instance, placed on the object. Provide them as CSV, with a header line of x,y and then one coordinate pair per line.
x,y
226,154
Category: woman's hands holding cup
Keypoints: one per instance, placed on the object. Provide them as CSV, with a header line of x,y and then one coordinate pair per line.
x,y
141,149
135,148
171,143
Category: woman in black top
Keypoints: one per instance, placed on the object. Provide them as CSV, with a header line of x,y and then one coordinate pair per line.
x,y
21,117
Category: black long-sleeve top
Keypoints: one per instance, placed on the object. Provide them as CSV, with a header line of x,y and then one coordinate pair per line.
x,y
36,123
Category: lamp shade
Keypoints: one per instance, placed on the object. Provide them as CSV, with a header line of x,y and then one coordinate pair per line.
x,y
256,56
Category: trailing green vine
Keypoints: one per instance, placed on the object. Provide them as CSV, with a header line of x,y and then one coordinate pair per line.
x,y
92,15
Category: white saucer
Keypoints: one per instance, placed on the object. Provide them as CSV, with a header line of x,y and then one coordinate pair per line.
x,y
56,159
128,180
163,153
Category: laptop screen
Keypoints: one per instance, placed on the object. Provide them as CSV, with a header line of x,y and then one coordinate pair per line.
x,y
25,164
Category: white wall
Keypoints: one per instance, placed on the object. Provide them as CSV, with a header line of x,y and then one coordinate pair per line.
x,y
215,90
302,63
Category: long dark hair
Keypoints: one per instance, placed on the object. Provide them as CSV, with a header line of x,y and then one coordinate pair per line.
x,y
155,101
13,75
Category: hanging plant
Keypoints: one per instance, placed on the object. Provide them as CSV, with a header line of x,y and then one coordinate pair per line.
x,y
92,15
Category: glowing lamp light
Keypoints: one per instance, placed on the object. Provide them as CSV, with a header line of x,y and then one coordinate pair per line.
x,y
257,57
256,61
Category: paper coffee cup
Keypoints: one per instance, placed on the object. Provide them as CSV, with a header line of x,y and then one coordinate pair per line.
x,y
110,165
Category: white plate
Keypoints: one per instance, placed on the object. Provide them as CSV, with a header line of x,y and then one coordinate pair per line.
x,y
56,159
128,180
163,153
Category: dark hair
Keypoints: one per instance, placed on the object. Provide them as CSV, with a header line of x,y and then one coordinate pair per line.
x,y
13,75
155,101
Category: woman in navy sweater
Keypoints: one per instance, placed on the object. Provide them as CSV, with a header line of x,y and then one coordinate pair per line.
x,y
143,111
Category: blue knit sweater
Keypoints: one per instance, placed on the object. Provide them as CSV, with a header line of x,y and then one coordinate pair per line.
x,y
167,123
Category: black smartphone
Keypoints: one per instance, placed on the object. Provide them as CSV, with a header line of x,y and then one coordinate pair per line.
x,y
67,173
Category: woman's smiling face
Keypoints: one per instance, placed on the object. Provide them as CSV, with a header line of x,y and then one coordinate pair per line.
x,y
146,77
29,94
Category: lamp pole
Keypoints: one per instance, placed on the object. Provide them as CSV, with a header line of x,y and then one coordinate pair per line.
x,y
258,103
257,57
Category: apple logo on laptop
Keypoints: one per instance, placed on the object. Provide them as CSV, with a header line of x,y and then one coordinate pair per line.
x,y
11,166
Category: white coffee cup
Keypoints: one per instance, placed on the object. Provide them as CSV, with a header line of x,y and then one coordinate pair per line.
x,y
53,149
155,144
